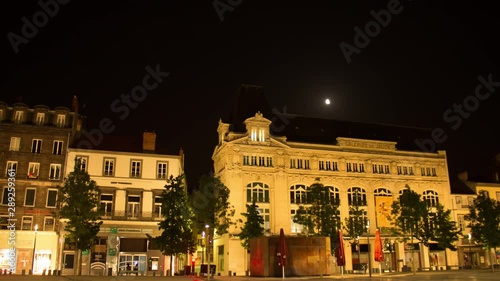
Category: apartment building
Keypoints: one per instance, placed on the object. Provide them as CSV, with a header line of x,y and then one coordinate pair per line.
x,y
33,147
131,177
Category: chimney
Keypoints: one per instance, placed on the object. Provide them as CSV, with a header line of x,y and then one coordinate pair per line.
x,y
148,141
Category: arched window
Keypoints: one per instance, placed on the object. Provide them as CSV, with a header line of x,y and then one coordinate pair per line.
x,y
356,196
382,192
334,195
298,194
258,191
431,198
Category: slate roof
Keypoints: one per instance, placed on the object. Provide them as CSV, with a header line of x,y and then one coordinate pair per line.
x,y
251,99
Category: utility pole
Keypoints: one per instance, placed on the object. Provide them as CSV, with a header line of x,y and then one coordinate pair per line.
x,y
368,241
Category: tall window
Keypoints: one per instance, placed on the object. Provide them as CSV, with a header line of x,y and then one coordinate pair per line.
x,y
382,192
5,195
57,147
461,222
29,197
334,195
133,206
107,205
27,223
431,198
135,168
33,170
61,120
84,160
51,198
11,166
18,117
298,194
157,212
40,118
48,223
296,227
356,195
258,191
36,146
162,170
264,212
15,143
109,167
55,171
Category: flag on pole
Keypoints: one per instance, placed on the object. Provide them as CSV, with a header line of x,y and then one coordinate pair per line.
x,y
339,250
379,253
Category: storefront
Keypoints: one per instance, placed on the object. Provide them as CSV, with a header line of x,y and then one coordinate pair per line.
x,y
437,258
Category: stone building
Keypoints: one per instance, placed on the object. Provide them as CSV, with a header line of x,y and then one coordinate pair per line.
x,y
131,174
273,157
33,147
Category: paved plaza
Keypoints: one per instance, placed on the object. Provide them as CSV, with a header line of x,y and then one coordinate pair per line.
x,y
433,275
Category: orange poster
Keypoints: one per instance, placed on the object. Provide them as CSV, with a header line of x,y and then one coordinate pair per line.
x,y
383,205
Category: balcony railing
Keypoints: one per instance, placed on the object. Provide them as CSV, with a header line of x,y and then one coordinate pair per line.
x,y
125,216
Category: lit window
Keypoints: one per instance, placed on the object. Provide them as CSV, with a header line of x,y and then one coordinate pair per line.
x,y
107,205
33,170
61,120
133,206
40,118
27,223
15,143
18,117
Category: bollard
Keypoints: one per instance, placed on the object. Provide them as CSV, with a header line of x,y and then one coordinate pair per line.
x,y
23,272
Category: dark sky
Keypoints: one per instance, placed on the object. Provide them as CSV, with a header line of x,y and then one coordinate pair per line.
x,y
426,58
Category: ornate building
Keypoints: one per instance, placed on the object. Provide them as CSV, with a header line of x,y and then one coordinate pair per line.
x,y
33,147
273,157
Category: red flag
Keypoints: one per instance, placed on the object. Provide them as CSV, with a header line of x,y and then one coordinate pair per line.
x,y
339,250
379,254
282,250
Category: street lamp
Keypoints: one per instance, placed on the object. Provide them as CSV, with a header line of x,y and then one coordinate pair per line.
x,y
34,248
368,241
208,251
469,237
203,248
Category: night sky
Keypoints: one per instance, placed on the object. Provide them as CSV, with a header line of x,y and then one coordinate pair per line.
x,y
413,69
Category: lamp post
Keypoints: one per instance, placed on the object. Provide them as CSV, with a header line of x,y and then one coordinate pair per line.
x,y
208,251
368,241
203,248
34,249
469,237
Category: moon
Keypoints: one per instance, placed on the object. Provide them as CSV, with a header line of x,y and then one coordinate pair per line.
x,y
327,101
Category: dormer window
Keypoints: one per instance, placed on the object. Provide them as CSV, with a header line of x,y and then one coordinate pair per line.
x,y
40,118
258,135
257,127
18,117
61,120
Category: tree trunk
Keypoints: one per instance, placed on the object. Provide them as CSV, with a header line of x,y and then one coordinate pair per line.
x,y
491,259
445,259
171,265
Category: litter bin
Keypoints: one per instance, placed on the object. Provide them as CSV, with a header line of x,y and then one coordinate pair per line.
x,y
187,270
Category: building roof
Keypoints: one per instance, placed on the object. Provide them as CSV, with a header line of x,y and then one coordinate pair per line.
x,y
251,99
458,186
121,143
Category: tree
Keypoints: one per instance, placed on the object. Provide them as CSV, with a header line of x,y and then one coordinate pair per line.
x,y
78,202
211,204
253,226
484,221
320,214
445,231
177,236
355,224
407,216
